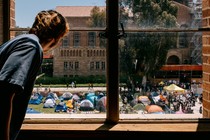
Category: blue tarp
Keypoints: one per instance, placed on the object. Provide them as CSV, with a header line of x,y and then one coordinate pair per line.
x,y
31,110
36,99
61,106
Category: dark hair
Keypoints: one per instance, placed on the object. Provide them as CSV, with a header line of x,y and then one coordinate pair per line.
x,y
49,25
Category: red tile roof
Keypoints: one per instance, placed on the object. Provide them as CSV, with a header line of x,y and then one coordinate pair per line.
x,y
84,11
76,11
48,56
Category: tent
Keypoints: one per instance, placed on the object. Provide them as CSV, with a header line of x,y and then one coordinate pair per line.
x,y
36,98
101,104
50,101
174,88
154,109
161,83
61,107
144,99
67,96
86,105
92,97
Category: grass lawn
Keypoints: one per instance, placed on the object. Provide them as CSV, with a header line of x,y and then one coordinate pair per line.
x,y
40,108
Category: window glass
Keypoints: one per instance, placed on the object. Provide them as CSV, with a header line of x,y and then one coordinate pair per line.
x,y
161,59
65,42
70,68
76,39
161,47
91,39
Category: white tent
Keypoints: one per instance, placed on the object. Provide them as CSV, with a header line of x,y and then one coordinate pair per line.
x,y
174,88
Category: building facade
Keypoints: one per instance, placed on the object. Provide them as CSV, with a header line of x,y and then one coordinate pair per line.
x,y
83,54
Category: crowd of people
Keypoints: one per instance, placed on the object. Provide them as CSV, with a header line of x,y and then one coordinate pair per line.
x,y
173,101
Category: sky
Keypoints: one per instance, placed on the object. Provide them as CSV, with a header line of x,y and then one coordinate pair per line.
x,y
26,10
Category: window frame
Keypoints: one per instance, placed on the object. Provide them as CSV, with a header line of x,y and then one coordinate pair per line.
x,y
65,65
65,42
112,114
91,39
76,39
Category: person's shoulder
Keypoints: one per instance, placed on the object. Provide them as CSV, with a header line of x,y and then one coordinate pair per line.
x,y
20,40
28,37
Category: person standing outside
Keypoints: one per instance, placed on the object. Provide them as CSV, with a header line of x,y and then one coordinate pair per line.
x,y
72,84
20,61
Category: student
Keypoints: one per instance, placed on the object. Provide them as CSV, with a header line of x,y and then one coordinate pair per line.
x,y
20,61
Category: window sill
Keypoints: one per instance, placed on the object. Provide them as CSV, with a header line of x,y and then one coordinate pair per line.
x,y
95,126
123,129
103,116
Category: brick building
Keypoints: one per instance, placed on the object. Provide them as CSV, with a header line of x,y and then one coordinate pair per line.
x,y
82,52
5,23
206,58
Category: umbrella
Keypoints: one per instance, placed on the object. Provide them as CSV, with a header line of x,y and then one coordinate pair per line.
x,y
173,88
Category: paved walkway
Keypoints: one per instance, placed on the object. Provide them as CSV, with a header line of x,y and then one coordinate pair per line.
x,y
70,89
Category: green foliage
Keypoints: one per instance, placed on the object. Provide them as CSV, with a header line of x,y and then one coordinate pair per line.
x,y
155,13
98,18
64,80
144,53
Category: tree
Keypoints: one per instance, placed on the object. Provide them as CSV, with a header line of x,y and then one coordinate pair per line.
x,y
146,52
97,18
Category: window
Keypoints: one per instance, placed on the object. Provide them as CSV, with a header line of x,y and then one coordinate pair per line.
x,y
103,65
151,39
114,57
102,42
76,39
71,66
91,39
65,65
65,42
91,65
76,65
97,65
